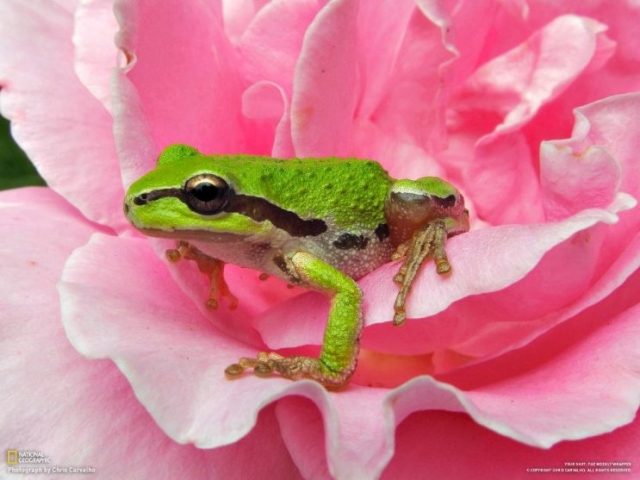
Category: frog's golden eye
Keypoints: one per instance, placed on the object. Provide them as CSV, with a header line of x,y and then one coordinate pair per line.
x,y
206,194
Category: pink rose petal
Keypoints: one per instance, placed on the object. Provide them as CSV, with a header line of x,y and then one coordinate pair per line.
x,y
508,91
272,42
450,445
67,133
381,28
95,52
179,57
175,359
80,412
598,129
573,182
324,84
473,274
587,394
267,101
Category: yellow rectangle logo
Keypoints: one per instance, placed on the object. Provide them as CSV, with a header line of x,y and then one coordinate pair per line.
x,y
12,457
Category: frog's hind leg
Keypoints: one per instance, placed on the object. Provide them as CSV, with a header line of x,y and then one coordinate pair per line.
x,y
212,267
341,343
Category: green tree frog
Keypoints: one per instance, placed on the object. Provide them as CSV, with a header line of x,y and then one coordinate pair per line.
x,y
320,223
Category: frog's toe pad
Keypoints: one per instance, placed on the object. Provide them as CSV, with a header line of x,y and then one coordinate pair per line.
x,y
294,368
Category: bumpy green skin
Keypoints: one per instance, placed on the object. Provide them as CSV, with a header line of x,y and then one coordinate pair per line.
x,y
349,195
349,191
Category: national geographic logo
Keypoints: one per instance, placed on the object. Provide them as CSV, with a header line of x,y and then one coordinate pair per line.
x,y
12,457
30,457
35,462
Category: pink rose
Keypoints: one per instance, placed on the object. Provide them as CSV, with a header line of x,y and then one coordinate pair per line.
x,y
526,357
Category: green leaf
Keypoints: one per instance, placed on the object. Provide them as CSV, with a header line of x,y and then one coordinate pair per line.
x,y
15,168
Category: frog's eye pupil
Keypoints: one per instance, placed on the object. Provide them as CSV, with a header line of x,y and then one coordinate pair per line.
x,y
206,194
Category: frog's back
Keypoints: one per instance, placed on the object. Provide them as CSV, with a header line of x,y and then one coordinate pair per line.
x,y
350,191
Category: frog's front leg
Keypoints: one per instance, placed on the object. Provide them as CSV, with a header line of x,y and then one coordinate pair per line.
x,y
427,241
212,267
341,343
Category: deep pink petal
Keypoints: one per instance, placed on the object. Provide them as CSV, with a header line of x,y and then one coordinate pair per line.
x,y
179,57
412,109
501,97
65,131
603,146
381,29
454,300
268,101
579,381
450,445
324,85
271,45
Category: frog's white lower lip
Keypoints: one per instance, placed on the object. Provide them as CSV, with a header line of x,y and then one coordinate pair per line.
x,y
197,235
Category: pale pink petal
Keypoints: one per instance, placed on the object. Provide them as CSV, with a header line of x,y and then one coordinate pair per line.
x,y
238,15
175,359
324,86
500,337
514,85
357,437
621,20
171,354
619,75
451,445
95,51
80,412
65,131
608,123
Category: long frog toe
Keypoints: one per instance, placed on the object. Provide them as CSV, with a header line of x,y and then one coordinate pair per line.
x,y
293,368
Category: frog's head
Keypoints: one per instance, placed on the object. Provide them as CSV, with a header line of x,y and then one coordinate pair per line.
x,y
186,196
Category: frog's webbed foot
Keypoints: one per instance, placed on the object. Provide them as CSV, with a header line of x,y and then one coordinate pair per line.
x,y
294,368
428,241
212,267
338,357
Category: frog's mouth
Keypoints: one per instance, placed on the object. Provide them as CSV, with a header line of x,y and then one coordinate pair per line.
x,y
256,208
192,235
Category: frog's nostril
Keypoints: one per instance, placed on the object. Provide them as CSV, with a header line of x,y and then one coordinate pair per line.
x,y
126,208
